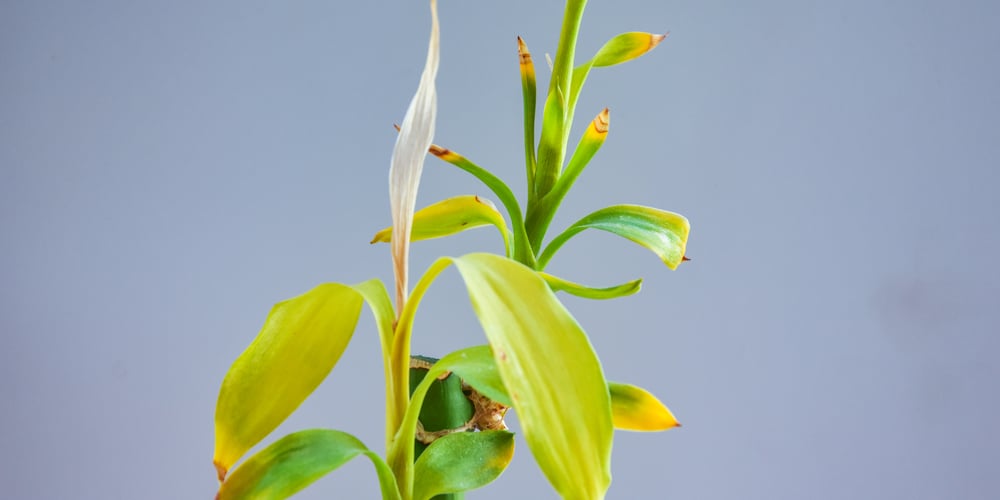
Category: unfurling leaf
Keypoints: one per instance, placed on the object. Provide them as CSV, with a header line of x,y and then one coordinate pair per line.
x,y
625,47
635,409
301,341
449,217
296,461
665,233
461,462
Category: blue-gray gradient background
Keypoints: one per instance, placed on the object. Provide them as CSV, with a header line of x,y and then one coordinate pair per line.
x,y
169,170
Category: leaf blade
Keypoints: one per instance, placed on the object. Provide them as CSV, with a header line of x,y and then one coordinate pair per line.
x,y
625,47
451,216
461,462
555,381
635,409
296,461
300,342
664,233
612,292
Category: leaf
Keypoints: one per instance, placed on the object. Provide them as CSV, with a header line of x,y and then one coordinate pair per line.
x,y
415,136
635,409
461,462
611,292
625,47
550,370
474,365
301,341
449,217
296,461
665,233
522,250
528,94
591,141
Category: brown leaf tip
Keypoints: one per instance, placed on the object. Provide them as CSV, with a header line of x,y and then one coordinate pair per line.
x,y
602,121
522,51
220,471
656,39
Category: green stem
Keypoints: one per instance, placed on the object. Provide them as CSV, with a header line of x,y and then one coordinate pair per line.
x,y
555,125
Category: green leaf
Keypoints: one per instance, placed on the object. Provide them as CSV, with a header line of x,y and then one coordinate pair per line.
x,y
528,96
550,370
546,363
625,47
522,250
296,461
474,365
635,409
449,217
611,292
461,462
665,233
301,341
542,212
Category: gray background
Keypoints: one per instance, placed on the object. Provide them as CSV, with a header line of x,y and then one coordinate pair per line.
x,y
169,170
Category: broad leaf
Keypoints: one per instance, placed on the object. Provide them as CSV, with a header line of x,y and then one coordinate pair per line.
x,y
449,217
635,409
550,370
611,292
665,233
296,461
461,462
301,341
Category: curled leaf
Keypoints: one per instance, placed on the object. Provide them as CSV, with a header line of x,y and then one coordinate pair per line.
x,y
449,217
665,233
625,47
415,136
635,409
611,292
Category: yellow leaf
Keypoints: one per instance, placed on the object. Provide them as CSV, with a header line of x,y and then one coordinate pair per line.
x,y
301,341
635,409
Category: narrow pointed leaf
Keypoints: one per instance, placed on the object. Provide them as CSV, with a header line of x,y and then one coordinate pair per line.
x,y
625,47
301,341
449,217
461,462
665,233
296,461
528,93
612,292
522,250
550,370
415,136
635,409
591,141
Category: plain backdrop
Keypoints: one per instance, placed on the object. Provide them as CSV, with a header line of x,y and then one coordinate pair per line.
x,y
169,170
